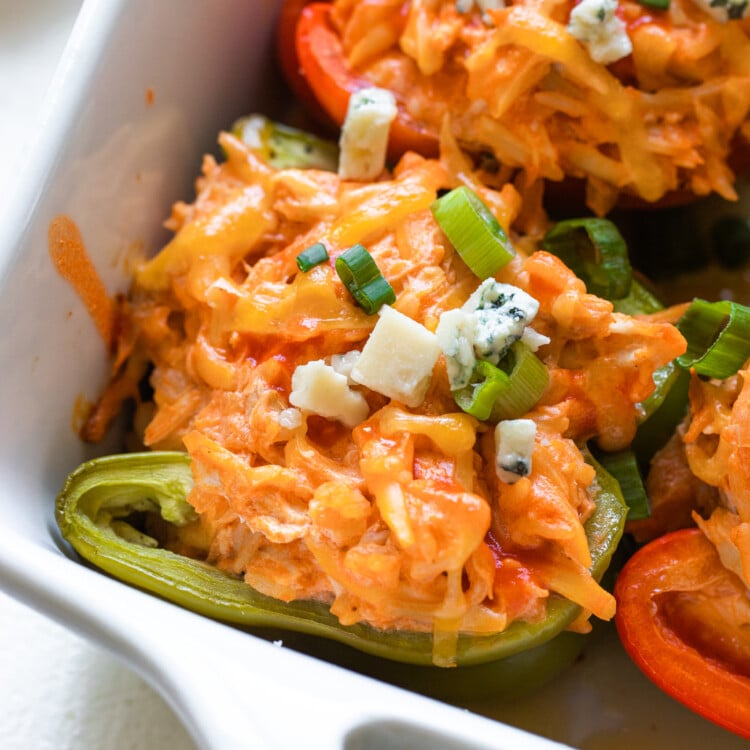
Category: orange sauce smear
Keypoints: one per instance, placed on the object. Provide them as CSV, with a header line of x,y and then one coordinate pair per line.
x,y
69,256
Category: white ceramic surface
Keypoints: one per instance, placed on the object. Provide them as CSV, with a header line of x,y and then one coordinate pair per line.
x,y
59,691
114,163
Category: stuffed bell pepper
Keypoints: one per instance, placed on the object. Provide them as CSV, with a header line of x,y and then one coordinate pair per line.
x,y
366,405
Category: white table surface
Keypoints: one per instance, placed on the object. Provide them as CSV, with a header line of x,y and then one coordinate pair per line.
x,y
59,692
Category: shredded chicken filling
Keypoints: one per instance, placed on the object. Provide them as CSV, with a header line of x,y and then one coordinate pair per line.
x,y
400,521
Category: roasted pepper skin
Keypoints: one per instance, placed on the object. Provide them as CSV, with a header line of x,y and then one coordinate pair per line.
x,y
99,494
679,648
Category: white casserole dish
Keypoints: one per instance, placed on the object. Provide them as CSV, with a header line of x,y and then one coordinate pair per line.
x,y
114,163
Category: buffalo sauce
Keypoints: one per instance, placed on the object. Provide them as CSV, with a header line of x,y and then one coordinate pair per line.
x,y
69,256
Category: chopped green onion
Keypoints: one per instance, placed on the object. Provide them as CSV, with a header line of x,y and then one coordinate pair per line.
x,y
529,378
656,4
284,147
487,383
361,276
622,465
505,392
312,256
473,231
640,301
718,337
596,252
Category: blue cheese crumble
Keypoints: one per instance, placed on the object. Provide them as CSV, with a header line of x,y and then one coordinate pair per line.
x,y
492,319
398,358
594,23
343,364
317,388
364,134
514,445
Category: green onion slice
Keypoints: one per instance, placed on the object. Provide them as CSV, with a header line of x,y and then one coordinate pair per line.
x,y
473,231
718,337
664,409
623,466
661,412
656,4
487,383
639,301
596,252
529,378
312,256
361,276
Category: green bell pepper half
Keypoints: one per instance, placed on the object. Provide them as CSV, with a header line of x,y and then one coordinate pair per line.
x,y
665,408
285,147
93,505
